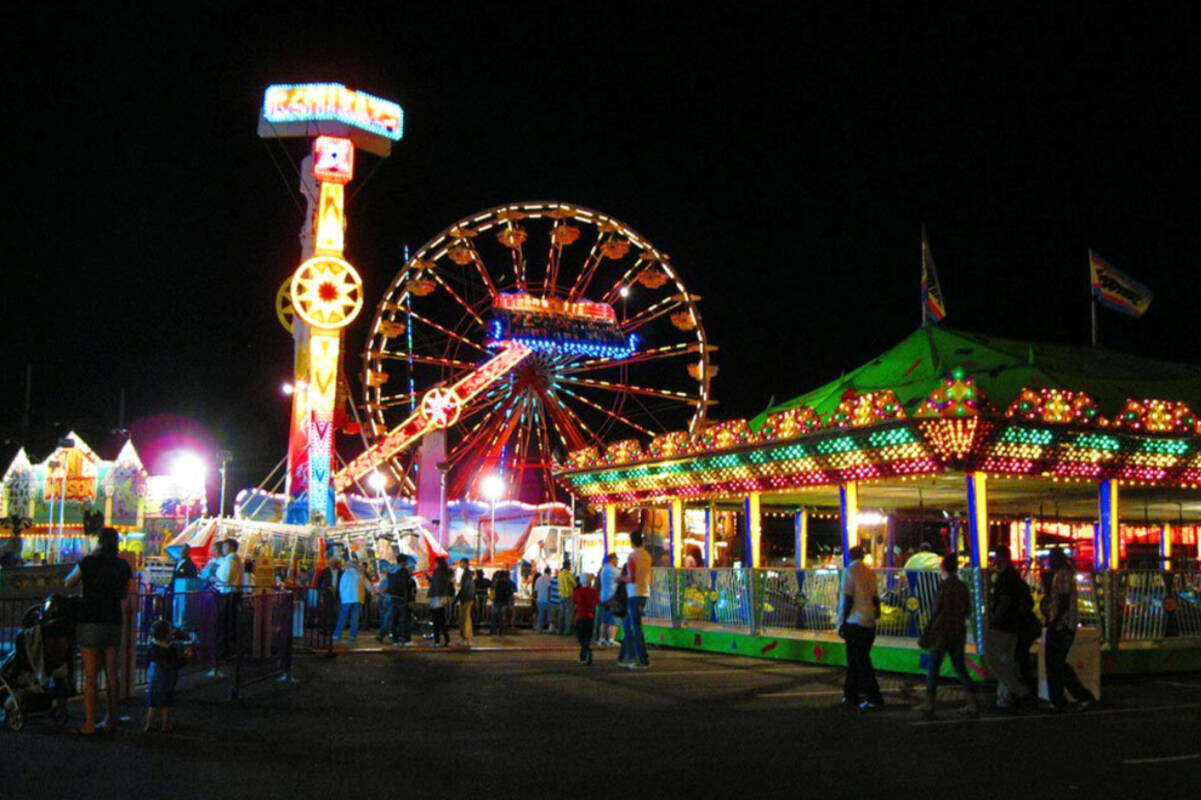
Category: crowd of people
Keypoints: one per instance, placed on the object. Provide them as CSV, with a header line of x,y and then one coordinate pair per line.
x,y
1013,628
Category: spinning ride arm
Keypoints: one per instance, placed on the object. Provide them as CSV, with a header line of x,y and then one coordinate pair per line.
x,y
440,408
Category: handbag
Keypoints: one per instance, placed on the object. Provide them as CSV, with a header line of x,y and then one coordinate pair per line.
x,y
619,602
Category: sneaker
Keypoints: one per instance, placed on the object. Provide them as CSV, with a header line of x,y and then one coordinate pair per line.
x,y
868,705
1085,703
637,665
622,662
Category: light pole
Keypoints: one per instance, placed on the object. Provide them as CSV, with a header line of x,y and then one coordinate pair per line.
x,y
492,487
378,481
188,470
225,456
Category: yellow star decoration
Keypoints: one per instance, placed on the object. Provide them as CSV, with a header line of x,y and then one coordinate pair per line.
x,y
327,292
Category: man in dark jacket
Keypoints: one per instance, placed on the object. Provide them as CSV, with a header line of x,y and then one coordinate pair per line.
x,y
503,591
185,567
1010,613
402,589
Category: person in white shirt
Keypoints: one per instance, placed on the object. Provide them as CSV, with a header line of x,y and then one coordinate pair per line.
x,y
352,591
857,625
225,574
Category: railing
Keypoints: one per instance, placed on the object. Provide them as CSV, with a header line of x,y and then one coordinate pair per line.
x,y
1126,605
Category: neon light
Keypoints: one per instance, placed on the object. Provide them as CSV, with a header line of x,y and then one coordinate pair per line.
x,y
333,102
583,309
333,159
588,349
327,292
331,219
324,351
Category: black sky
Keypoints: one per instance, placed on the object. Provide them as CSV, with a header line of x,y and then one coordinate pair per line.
x,y
784,158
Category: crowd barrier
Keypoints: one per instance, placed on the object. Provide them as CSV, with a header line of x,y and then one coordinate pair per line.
x,y
1123,605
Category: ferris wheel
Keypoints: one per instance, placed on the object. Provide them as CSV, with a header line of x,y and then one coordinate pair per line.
x,y
616,345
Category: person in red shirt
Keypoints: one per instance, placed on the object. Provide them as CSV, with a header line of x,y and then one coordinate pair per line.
x,y
585,597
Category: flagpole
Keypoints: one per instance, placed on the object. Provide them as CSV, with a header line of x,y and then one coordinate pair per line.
x,y
922,294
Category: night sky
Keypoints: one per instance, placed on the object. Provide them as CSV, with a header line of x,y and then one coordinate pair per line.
x,y
784,159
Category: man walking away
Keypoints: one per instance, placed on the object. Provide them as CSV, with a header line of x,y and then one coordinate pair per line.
x,y
857,624
1010,605
584,598
542,593
947,634
502,601
483,588
638,586
1061,631
402,590
567,585
610,575
352,589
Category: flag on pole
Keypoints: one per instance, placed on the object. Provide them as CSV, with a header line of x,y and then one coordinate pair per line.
x,y
933,307
1115,289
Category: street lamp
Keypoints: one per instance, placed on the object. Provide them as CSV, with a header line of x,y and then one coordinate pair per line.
x,y
377,482
492,487
188,470
225,457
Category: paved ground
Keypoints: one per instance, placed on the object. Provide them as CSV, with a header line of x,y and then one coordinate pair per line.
x,y
532,723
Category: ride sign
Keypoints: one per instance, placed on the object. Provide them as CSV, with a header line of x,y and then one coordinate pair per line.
x,y
309,109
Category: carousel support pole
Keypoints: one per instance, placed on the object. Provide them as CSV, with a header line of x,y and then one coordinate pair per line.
x,y
977,518
1165,546
848,506
1029,546
754,530
1099,559
676,514
1108,523
800,533
709,521
890,556
609,529
109,491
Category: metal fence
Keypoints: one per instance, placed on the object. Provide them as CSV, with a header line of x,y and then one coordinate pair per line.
x,y
1125,605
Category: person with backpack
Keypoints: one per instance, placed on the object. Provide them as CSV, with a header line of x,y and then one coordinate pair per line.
x,y
502,592
1010,608
946,635
402,590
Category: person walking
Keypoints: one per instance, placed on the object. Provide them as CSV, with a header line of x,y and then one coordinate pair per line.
x,y
1061,632
633,653
402,591
440,593
567,585
946,635
503,592
610,577
1010,609
858,611
352,590
584,599
100,626
466,598
542,592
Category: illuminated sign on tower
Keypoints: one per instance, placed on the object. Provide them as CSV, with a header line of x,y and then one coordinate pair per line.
x,y
326,291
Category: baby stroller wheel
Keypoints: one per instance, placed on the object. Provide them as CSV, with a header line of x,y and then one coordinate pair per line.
x,y
14,718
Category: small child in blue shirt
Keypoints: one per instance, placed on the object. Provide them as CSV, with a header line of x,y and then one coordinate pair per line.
x,y
166,659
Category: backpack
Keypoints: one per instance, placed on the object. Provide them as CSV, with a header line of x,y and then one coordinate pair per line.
x,y
620,601
502,592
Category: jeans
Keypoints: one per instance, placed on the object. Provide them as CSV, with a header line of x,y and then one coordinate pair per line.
x,y
438,615
633,644
583,634
385,614
1001,650
953,647
500,618
1060,675
402,621
566,616
227,624
861,675
352,610
544,611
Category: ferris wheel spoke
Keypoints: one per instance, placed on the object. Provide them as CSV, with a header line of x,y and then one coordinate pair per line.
x,y
451,334
478,261
466,307
574,421
664,306
626,279
611,414
590,264
547,478
666,394
636,357
437,361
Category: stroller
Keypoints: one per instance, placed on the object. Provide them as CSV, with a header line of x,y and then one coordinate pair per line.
x,y
38,676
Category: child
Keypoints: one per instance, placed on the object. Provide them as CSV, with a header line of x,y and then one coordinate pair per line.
x,y
166,657
585,597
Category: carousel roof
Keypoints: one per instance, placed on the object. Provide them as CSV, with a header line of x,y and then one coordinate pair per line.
x,y
916,366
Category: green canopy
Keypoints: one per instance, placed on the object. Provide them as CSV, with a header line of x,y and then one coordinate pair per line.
x,y
917,365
